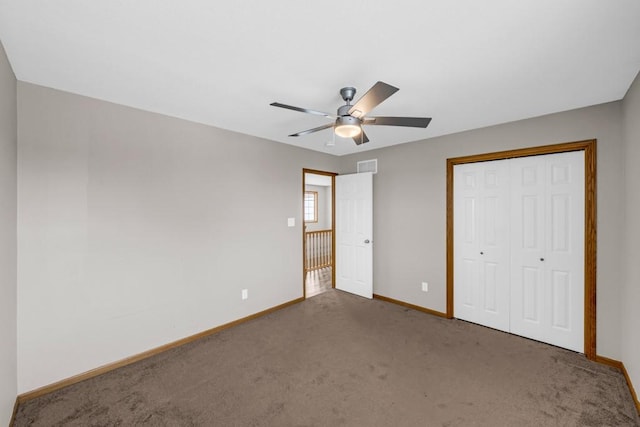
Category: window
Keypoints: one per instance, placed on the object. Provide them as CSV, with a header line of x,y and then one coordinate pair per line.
x,y
310,206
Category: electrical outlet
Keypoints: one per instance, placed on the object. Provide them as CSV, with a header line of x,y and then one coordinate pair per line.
x,y
425,287
245,293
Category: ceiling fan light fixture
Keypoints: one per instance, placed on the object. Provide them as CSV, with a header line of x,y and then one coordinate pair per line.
x,y
347,127
348,131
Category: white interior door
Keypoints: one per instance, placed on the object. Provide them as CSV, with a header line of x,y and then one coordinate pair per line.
x,y
354,233
481,249
547,274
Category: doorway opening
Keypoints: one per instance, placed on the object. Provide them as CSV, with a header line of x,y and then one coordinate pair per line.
x,y
318,235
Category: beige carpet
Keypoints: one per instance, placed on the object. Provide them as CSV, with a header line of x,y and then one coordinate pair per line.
x,y
340,360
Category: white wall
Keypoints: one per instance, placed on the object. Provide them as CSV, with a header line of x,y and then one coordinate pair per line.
x,y
410,206
137,229
630,296
324,208
8,149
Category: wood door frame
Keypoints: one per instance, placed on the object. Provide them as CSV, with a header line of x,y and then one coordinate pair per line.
x,y
333,226
590,225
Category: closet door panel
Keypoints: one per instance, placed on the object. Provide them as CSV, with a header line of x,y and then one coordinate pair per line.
x,y
547,248
494,245
564,250
527,246
481,269
466,272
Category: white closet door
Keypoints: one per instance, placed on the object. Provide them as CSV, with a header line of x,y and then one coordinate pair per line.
x,y
547,248
528,246
564,257
481,248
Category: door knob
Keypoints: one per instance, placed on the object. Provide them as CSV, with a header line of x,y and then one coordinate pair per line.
x,y
481,253
367,241
541,259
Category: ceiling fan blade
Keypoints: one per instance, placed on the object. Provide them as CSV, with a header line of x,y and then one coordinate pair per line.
x,y
303,110
370,100
361,139
308,131
414,122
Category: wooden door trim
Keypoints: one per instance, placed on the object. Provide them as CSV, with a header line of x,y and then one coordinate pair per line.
x,y
590,225
333,226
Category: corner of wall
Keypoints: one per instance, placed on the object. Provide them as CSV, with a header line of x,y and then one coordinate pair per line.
x,y
630,294
8,238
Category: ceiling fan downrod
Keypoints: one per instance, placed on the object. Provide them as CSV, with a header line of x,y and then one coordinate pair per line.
x,y
348,93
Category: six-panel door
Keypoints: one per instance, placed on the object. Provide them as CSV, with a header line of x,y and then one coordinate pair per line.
x,y
481,293
519,246
547,248
354,233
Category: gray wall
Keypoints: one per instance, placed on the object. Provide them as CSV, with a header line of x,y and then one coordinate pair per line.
x,y
137,229
410,210
630,337
8,148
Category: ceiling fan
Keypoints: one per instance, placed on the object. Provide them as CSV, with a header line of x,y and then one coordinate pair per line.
x,y
349,120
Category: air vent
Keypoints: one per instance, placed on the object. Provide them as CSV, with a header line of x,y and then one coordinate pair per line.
x,y
368,166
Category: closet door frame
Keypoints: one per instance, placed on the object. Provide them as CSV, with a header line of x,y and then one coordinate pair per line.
x,y
589,148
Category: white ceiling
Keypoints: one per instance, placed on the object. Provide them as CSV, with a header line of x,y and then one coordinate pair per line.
x,y
467,64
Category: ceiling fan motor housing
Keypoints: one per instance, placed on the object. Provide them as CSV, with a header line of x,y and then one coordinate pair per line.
x,y
344,111
347,121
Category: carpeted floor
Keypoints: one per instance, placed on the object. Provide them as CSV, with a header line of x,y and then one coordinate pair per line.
x,y
341,360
